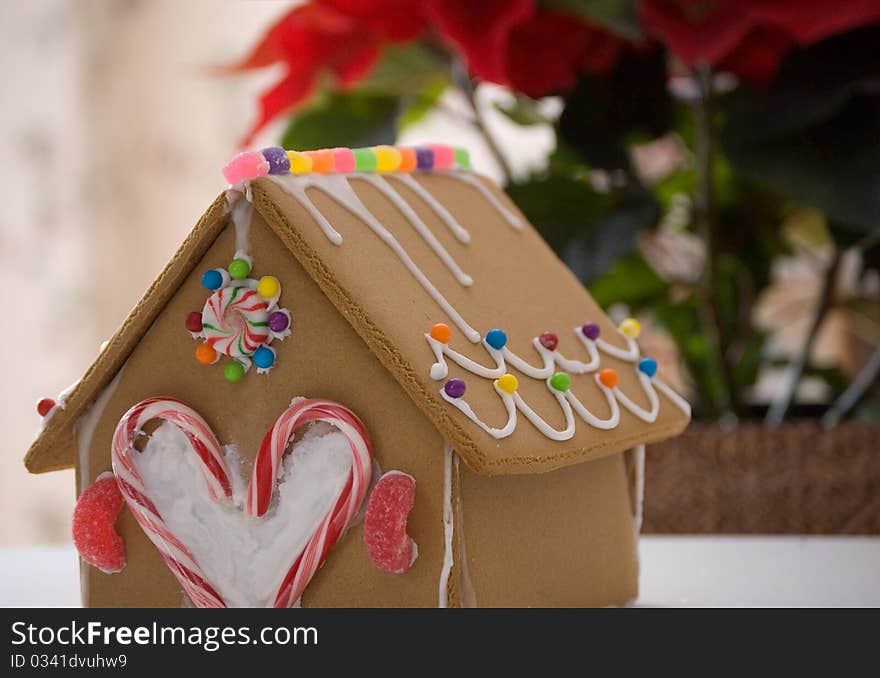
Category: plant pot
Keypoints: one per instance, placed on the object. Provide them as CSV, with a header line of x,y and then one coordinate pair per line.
x,y
794,479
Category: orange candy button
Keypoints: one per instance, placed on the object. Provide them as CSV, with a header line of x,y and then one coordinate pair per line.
x,y
206,354
322,161
441,333
407,159
608,378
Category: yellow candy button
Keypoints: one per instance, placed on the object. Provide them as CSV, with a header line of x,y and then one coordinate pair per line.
x,y
268,286
388,158
300,163
631,328
507,383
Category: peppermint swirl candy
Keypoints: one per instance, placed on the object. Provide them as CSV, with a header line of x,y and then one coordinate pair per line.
x,y
235,321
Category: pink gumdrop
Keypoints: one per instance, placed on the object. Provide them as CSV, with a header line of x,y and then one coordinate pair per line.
x,y
94,517
388,545
343,160
245,166
444,156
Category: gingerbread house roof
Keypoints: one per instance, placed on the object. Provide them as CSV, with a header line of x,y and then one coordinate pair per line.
x,y
458,297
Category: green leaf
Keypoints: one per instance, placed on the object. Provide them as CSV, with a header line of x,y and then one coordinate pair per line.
x,y
415,108
523,111
408,69
343,119
589,231
630,281
617,16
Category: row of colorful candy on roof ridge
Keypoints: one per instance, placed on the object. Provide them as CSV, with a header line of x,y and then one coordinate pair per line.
x,y
275,160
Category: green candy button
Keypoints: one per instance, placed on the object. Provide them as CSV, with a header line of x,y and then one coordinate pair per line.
x,y
462,158
239,269
233,372
560,381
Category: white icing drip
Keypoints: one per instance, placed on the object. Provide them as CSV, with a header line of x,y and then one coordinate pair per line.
x,y
420,226
460,233
448,527
85,432
511,218
630,354
338,188
570,403
241,212
648,416
537,372
543,426
604,424
466,595
440,369
498,433
85,429
639,487
679,402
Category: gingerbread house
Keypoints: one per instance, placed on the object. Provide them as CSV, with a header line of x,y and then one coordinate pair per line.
x,y
335,316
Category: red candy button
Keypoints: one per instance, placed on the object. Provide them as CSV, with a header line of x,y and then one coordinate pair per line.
x,y
389,546
45,406
549,341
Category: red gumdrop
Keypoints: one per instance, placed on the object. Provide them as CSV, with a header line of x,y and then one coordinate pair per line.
x,y
94,517
388,545
45,406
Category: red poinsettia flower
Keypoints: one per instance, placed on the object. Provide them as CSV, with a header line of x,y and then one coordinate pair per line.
x,y
749,37
516,43
509,42
340,39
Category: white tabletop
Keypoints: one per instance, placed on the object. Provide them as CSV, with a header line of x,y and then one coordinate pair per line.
x,y
676,572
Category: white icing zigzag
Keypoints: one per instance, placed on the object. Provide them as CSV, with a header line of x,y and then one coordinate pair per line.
x,y
567,400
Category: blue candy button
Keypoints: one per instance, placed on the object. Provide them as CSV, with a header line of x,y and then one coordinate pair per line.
x,y
648,366
496,339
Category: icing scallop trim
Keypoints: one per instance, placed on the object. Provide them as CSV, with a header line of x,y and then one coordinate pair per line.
x,y
558,382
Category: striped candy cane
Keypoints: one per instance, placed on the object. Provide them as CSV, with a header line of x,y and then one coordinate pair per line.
x,y
176,556
347,504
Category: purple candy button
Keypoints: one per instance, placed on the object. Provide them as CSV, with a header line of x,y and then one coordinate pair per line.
x,y
277,158
278,321
454,388
424,158
590,331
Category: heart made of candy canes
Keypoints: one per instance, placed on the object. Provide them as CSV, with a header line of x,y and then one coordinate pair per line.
x,y
227,542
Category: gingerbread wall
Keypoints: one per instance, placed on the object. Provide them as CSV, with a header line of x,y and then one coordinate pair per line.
x,y
323,357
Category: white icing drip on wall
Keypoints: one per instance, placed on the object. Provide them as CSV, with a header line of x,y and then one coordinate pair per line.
x,y
85,429
466,594
85,432
448,527
639,486
240,211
